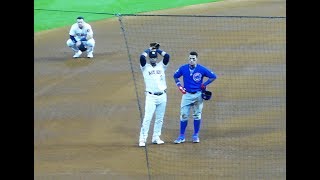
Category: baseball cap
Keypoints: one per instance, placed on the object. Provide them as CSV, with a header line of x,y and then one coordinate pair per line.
x,y
153,54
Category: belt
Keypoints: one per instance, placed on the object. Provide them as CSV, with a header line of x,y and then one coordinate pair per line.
x,y
157,93
193,92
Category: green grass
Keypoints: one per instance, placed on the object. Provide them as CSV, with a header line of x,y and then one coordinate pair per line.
x,y
60,13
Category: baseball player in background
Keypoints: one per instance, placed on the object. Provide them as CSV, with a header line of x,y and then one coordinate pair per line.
x,y
81,38
155,91
193,74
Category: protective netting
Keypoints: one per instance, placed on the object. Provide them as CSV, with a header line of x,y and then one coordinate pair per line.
x,y
243,130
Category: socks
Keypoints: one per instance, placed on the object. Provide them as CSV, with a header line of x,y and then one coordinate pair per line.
x,y
183,126
196,125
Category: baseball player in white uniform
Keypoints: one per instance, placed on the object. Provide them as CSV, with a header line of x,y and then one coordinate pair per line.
x,y
155,91
81,34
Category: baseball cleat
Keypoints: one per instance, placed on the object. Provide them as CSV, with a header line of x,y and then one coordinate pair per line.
x,y
77,54
195,139
142,144
180,139
90,55
158,141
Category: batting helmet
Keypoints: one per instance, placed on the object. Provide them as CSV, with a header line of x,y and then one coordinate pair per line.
x,y
206,95
153,54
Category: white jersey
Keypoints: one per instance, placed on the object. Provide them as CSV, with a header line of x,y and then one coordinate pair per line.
x,y
154,77
81,33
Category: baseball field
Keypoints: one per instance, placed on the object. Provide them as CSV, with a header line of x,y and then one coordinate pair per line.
x,y
87,112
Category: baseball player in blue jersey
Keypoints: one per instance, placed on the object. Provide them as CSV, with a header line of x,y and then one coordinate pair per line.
x,y
193,74
155,91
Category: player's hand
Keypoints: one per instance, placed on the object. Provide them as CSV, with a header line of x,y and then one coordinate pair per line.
x,y
203,87
78,43
182,90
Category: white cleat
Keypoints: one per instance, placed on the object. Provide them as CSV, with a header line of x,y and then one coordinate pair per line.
x,y
77,54
90,55
158,141
142,144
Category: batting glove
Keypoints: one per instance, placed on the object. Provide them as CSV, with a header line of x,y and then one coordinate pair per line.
x,y
182,90
203,87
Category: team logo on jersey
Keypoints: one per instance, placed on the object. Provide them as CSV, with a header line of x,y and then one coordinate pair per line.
x,y
154,72
197,77
80,34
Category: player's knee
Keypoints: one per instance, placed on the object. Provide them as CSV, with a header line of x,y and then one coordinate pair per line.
x,y
70,43
184,116
91,43
197,116
183,120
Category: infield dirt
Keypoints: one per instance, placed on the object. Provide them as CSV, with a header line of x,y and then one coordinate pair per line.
x,y
87,122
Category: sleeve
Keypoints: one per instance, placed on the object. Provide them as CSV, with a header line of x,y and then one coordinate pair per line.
x,y
143,57
73,38
176,77
210,74
72,31
178,73
166,57
143,60
161,52
89,30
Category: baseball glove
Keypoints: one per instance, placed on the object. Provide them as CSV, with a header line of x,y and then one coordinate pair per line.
x,y
155,45
82,47
206,95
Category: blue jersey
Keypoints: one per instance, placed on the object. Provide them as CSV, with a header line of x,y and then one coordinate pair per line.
x,y
192,79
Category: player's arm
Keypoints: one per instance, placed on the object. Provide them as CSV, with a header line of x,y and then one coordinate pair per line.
x,y
210,80
72,34
143,60
211,77
176,77
89,32
178,83
89,36
78,43
181,88
73,38
166,56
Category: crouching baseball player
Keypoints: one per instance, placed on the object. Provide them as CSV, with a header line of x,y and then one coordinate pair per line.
x,y
155,91
81,38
